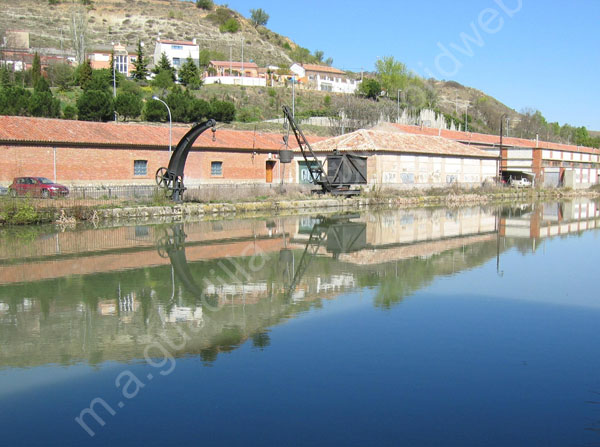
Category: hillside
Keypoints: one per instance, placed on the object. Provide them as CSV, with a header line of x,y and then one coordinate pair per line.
x,y
126,21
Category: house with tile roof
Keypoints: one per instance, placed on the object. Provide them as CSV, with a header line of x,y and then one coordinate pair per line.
x,y
177,51
124,58
234,73
324,78
546,163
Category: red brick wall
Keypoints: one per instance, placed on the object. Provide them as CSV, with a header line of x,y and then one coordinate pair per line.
x,y
115,166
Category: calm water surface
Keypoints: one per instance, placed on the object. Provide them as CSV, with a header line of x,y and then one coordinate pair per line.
x,y
467,326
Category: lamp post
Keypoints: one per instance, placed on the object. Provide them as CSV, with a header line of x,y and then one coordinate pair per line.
x,y
156,98
114,63
505,115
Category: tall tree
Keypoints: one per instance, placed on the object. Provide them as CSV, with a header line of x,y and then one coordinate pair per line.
x,y
259,17
78,25
189,74
36,69
392,74
84,74
140,72
164,65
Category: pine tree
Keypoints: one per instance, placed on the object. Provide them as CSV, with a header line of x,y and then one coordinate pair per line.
x,y
164,65
36,69
189,74
140,71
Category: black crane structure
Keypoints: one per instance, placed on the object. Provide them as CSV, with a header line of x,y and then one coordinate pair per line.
x,y
171,178
337,234
343,170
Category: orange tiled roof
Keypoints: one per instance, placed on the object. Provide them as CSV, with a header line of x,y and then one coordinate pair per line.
x,y
227,64
23,130
487,139
322,68
177,42
373,140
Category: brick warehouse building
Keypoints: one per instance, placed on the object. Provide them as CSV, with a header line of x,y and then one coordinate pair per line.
x,y
547,163
90,153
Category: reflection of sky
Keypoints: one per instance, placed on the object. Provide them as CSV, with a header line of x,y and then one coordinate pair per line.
x,y
561,271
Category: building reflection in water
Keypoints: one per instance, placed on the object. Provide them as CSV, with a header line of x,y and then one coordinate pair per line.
x,y
93,295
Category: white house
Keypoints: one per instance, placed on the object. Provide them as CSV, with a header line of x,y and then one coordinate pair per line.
x,y
324,78
177,51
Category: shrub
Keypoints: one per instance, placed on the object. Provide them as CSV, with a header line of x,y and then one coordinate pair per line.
x,y
199,110
249,114
205,4
155,111
128,105
95,105
70,112
223,111
230,26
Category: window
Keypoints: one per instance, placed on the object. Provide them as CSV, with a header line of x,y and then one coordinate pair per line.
x,y
216,168
140,167
176,62
121,64
176,47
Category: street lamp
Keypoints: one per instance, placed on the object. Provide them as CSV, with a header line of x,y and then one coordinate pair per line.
x,y
505,115
114,63
156,98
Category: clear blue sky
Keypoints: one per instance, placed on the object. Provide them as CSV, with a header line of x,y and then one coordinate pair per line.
x,y
534,53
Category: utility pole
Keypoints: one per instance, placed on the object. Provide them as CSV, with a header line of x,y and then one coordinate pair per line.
x,y
242,58
398,119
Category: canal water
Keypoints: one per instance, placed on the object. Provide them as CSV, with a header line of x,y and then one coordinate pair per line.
x,y
429,327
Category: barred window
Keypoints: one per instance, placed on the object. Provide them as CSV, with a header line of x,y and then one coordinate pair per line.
x,y
216,168
140,167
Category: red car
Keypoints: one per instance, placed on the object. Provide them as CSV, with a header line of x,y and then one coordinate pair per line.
x,y
37,187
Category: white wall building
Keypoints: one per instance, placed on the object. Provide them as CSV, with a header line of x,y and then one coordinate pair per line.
x,y
177,51
324,78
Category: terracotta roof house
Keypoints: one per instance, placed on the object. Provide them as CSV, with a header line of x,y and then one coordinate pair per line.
x,y
177,51
124,58
324,78
235,73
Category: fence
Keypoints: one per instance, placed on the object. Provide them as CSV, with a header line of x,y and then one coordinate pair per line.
x,y
124,195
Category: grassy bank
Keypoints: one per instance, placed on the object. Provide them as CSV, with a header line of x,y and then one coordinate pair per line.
x,y
28,211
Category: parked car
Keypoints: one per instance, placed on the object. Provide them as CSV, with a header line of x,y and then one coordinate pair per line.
x,y
37,187
521,183
3,190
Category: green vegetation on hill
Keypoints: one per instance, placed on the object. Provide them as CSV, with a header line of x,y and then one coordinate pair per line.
x,y
387,92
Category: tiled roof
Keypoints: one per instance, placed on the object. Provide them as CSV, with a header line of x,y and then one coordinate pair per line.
x,y
487,139
227,64
23,130
322,68
177,42
378,140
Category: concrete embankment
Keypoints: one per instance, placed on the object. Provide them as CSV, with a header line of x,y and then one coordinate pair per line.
x,y
21,211
338,203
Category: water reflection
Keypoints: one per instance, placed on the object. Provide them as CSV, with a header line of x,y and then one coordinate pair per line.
x,y
94,295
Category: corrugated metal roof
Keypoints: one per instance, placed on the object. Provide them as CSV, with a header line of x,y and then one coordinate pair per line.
x,y
374,140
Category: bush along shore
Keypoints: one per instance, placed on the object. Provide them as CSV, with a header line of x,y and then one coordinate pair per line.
x,y
26,211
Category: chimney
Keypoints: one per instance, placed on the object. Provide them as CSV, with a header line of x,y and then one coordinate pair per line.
x,y
194,41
